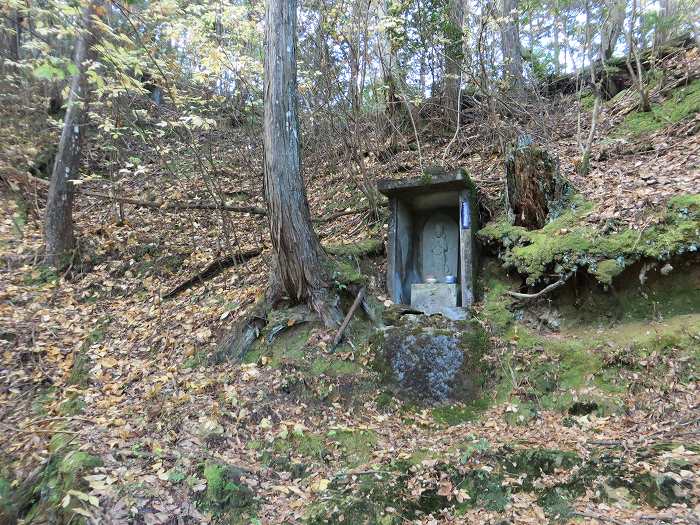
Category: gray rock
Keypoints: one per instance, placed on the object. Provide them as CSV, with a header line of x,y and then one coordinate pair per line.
x,y
432,364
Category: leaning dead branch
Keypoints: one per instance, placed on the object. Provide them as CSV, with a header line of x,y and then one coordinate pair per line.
x,y
544,291
214,268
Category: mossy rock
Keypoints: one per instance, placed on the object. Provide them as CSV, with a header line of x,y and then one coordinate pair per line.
x,y
225,488
568,244
362,248
429,359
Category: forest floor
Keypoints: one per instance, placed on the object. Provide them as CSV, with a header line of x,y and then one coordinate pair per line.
x,y
114,409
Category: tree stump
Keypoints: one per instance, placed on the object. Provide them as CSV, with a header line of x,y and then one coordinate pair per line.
x,y
535,190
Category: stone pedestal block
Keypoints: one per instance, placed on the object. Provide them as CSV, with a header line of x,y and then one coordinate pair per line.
x,y
433,298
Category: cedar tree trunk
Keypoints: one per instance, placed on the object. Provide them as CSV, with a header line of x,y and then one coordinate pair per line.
x,y
299,265
511,47
58,226
453,57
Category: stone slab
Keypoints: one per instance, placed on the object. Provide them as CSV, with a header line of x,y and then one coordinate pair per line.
x,y
431,181
431,298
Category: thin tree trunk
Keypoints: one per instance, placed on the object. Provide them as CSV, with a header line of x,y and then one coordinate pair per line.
x,y
555,36
612,27
638,75
299,264
58,226
453,58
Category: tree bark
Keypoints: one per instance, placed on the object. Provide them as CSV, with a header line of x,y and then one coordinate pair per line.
x,y
511,47
665,29
58,227
299,266
612,27
453,57
534,186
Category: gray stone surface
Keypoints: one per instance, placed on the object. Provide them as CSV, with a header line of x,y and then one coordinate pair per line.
x,y
440,247
430,298
429,364
431,233
426,364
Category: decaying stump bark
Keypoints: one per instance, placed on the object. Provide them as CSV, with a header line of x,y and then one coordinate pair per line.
x,y
534,187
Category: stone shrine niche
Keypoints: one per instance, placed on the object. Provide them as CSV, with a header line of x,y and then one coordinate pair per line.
x,y
431,238
439,247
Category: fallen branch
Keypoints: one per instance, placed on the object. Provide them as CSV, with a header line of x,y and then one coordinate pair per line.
x,y
547,289
346,321
214,268
176,206
181,206
598,517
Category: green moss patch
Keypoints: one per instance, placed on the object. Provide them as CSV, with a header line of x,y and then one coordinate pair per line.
x,y
225,488
58,482
683,102
460,413
356,446
362,248
386,497
567,243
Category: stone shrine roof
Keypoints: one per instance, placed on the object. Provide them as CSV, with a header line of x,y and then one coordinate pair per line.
x,y
432,180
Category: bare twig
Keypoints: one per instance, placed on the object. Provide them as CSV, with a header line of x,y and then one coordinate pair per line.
x,y
599,517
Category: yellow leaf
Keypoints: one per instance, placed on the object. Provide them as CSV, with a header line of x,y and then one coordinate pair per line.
x,y
320,485
108,362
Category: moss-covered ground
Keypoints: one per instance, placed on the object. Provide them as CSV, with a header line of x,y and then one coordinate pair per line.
x,y
589,396
683,102
568,244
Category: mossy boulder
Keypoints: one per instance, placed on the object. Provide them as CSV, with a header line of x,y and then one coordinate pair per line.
x,y
226,488
568,243
430,359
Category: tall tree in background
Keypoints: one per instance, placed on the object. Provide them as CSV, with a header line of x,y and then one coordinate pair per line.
x,y
637,73
511,47
299,265
58,226
556,28
665,21
613,23
453,56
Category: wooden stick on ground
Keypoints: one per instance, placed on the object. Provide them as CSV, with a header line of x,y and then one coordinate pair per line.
x,y
547,289
346,321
